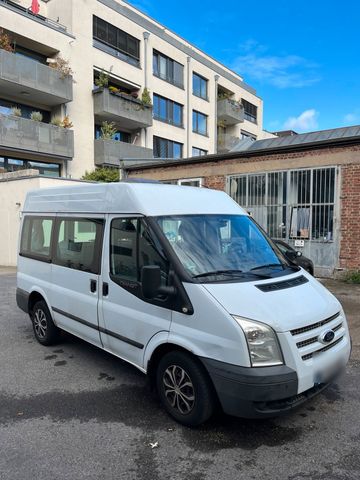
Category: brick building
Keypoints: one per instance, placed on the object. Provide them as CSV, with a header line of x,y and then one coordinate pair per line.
x,y
304,189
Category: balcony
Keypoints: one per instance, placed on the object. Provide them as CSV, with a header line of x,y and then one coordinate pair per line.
x,y
18,133
110,152
226,142
23,78
229,111
126,112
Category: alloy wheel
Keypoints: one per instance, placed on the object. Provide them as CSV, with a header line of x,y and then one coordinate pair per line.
x,y
40,323
179,390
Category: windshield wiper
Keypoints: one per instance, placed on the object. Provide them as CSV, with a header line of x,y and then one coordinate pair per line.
x,y
217,272
268,265
230,273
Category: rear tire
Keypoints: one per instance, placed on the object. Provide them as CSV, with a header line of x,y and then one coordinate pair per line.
x,y
45,331
185,388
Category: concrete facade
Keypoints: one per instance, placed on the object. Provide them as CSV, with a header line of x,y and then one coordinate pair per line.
x,y
13,189
66,28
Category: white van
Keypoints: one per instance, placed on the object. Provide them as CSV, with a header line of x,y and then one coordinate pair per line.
x,y
184,285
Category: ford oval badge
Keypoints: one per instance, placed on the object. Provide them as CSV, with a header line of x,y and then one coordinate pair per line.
x,y
327,336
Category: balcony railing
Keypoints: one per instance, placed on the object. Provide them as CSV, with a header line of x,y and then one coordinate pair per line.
x,y
126,112
229,111
20,76
20,133
226,142
27,12
110,152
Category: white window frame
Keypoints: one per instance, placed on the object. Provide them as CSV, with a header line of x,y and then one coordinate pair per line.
x,y
184,180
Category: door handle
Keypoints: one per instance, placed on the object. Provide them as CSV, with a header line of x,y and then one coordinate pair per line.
x,y
105,289
93,286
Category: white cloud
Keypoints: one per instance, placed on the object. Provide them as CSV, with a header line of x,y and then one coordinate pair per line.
x,y
351,118
305,122
282,71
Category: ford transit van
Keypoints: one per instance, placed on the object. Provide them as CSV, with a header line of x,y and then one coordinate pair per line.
x,y
184,285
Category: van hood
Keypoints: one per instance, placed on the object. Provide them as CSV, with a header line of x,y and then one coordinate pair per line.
x,y
284,309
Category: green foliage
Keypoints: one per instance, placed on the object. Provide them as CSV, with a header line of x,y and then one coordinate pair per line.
x,y
145,97
108,130
103,175
36,116
352,276
102,80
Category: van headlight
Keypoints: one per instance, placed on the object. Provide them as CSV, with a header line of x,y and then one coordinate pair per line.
x,y
264,348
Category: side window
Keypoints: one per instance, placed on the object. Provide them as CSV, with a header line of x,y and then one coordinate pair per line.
x,y
36,237
78,244
123,248
132,246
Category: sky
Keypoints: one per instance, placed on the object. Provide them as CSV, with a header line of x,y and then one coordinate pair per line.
x,y
303,58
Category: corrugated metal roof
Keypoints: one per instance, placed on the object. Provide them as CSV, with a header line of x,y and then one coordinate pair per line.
x,y
304,138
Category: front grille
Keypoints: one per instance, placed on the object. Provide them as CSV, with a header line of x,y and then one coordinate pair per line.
x,y
308,339
321,350
273,287
305,343
297,331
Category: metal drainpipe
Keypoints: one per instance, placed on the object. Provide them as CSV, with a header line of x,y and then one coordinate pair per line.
x,y
146,36
188,108
216,77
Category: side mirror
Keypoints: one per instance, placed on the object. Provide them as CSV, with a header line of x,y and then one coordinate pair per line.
x,y
151,283
298,254
291,254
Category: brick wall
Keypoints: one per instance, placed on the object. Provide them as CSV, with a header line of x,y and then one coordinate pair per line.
x,y
217,182
350,217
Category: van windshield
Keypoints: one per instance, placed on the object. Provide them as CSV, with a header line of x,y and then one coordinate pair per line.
x,y
221,245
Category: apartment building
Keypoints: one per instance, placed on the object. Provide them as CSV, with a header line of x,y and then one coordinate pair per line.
x,y
111,83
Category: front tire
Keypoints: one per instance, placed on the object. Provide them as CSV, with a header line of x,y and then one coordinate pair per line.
x,y
185,389
45,331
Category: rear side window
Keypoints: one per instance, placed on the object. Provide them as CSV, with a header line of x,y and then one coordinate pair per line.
x,y
78,244
36,237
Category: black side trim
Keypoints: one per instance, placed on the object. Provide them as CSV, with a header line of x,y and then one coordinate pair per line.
x,y
22,300
272,287
123,339
100,329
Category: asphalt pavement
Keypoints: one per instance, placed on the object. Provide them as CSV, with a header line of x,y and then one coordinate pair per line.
x,y
73,411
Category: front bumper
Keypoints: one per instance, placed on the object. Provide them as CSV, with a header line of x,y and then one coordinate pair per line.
x,y
257,392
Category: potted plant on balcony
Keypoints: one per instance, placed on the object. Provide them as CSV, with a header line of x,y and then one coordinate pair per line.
x,y
15,111
62,66
36,116
5,41
108,130
102,81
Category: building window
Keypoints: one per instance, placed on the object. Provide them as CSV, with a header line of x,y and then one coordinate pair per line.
x,y
117,39
164,148
168,111
244,135
198,152
119,136
293,204
190,182
200,86
15,164
199,123
250,111
167,69
26,111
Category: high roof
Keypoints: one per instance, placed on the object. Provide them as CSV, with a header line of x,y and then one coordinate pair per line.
x,y
150,199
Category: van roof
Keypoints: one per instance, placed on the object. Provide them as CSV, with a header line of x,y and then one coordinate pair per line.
x,y
135,198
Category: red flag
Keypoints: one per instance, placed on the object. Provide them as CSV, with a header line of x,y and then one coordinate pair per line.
x,y
35,7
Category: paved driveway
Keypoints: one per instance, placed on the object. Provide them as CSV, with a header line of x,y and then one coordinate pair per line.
x,y
75,412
